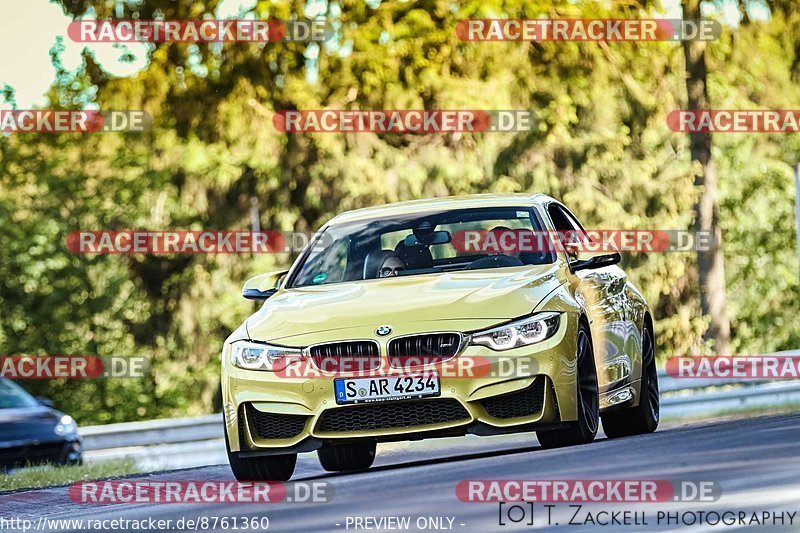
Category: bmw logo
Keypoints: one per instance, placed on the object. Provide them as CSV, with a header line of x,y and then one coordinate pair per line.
x,y
383,330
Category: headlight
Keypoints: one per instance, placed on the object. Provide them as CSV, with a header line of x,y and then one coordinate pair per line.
x,y
254,356
66,426
522,332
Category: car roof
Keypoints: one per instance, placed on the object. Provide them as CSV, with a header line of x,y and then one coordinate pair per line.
x,y
441,204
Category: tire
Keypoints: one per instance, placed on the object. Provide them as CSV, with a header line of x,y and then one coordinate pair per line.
x,y
584,430
266,468
347,457
644,417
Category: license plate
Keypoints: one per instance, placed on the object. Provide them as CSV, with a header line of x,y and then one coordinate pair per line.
x,y
357,390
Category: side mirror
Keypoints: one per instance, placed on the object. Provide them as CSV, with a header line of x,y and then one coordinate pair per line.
x,y
585,260
598,261
263,286
47,402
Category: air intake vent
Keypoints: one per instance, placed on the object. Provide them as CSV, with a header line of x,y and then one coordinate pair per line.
x,y
274,426
527,402
392,415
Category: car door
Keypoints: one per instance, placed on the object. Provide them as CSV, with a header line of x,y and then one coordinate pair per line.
x,y
601,291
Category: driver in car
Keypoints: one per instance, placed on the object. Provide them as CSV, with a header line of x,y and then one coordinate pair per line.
x,y
391,266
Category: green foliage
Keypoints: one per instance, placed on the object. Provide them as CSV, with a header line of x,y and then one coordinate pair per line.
x,y
53,476
600,144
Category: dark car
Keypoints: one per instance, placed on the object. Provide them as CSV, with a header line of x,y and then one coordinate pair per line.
x,y
32,432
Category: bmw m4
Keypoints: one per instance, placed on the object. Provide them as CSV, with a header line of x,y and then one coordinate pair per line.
x,y
411,321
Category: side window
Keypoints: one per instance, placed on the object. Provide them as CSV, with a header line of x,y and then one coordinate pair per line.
x,y
561,221
584,235
574,221
565,223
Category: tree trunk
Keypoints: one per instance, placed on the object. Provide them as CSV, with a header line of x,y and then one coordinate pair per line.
x,y
711,262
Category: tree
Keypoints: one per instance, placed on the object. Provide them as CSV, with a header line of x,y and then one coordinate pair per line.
x,y
600,144
711,262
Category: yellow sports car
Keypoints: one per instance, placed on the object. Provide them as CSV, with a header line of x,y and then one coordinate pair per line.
x,y
436,318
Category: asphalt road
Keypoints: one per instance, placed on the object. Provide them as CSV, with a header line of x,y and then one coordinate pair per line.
x,y
754,462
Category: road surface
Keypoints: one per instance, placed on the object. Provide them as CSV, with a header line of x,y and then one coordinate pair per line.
x,y
755,463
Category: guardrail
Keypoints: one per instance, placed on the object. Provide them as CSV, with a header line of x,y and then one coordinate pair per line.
x,y
163,431
197,441
692,397
666,383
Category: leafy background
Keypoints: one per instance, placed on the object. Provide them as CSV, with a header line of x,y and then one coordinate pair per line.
x,y
601,145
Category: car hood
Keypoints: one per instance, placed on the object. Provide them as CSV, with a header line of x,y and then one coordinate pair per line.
x,y
462,301
24,425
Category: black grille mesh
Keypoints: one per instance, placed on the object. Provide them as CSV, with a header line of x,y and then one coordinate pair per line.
x,y
242,439
429,348
390,415
274,426
526,402
349,356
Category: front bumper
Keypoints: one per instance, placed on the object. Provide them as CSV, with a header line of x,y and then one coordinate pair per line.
x,y
59,452
526,388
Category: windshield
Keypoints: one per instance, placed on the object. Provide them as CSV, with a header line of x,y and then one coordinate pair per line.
x,y
13,396
420,243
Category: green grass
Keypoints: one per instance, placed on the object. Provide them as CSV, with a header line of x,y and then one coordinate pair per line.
x,y
49,476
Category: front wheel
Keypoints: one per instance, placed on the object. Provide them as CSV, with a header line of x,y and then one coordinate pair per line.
x,y
266,468
644,417
347,457
584,429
